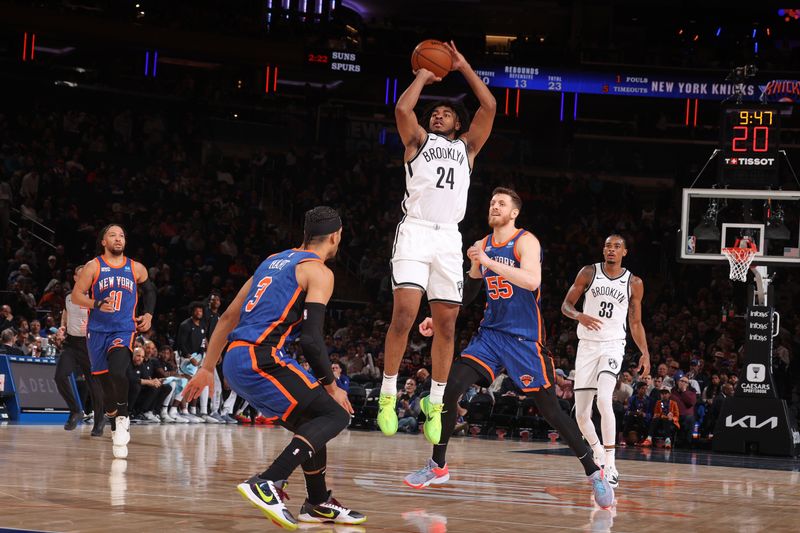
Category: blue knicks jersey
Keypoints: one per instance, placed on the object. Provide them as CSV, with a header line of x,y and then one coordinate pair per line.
x,y
119,285
273,308
509,308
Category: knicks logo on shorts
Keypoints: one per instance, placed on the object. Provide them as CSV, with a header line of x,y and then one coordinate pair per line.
x,y
526,379
116,343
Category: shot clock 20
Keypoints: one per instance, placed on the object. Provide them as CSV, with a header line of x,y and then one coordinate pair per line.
x,y
750,138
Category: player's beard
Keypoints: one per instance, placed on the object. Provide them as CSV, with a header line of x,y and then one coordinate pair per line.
x,y
116,253
498,221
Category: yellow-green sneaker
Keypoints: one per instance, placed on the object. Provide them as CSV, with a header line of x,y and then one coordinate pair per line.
x,y
433,420
387,414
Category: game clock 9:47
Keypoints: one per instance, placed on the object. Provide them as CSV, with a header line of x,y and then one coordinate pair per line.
x,y
750,138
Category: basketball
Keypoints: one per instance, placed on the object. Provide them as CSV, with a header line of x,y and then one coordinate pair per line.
x,y
432,55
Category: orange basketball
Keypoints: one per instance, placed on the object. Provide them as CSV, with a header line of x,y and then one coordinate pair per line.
x,y
432,55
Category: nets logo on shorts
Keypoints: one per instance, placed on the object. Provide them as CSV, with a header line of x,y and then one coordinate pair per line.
x,y
460,286
526,379
612,363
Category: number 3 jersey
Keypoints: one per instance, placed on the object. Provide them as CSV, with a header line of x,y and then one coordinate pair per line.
x,y
607,298
510,309
437,181
273,308
118,284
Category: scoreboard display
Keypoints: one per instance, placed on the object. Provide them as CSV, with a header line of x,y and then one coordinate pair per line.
x,y
749,144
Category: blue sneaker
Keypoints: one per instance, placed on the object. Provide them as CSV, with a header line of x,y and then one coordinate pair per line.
x,y
603,493
430,474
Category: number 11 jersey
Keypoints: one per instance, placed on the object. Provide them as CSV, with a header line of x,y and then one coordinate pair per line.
x,y
437,181
607,298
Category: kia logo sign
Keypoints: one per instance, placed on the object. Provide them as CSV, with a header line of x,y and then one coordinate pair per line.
x,y
750,422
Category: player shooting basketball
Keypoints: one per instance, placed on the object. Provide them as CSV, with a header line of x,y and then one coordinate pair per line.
x,y
426,256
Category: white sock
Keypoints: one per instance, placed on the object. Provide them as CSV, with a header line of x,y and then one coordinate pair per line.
x,y
227,407
389,385
204,402
173,411
599,452
437,391
610,452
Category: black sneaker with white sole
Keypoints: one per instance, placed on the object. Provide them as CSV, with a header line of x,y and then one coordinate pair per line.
x,y
330,511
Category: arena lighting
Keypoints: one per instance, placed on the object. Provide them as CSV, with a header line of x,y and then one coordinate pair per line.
x,y
776,229
561,115
708,230
719,30
575,108
386,100
516,108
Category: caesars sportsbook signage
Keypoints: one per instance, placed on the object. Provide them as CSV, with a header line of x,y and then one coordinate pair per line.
x,y
756,376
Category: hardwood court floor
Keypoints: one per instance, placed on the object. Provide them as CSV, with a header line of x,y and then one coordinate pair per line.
x,y
182,478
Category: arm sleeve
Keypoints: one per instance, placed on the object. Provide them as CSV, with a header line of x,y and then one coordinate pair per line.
x,y
148,297
472,287
312,341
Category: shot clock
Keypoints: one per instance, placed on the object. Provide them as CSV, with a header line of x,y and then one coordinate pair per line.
x,y
750,139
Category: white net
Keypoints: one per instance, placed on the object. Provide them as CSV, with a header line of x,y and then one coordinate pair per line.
x,y
739,260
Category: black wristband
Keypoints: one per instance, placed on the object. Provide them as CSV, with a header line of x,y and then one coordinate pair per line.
x,y
97,304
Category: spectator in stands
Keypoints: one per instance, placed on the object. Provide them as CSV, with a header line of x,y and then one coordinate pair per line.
x,y
665,419
685,397
564,390
7,346
423,379
637,415
6,317
145,392
710,422
341,379
408,408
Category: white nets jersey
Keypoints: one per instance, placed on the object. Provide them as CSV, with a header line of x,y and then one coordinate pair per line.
x,y
607,299
437,181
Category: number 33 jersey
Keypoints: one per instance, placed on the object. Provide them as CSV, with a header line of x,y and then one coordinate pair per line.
x,y
437,181
273,309
510,309
607,298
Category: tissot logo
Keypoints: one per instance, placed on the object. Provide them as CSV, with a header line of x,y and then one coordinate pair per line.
x,y
750,422
750,161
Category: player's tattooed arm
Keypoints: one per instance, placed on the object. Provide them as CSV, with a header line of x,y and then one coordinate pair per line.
x,y
581,284
635,322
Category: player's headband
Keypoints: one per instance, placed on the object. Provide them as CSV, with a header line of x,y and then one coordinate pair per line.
x,y
323,227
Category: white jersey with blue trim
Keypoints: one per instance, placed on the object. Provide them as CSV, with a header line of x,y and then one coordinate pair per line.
x,y
607,298
437,181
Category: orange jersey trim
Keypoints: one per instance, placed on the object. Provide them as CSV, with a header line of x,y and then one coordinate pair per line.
x,y
282,317
500,245
484,365
292,400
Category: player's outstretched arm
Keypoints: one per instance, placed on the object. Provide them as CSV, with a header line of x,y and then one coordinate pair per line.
x,y
481,125
581,284
635,322
528,275
411,133
204,377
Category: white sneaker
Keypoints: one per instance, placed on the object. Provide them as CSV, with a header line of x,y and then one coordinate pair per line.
x,y
120,452
122,436
208,419
165,418
191,418
613,476
180,419
151,417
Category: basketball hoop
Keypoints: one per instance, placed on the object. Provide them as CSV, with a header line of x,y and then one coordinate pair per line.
x,y
740,255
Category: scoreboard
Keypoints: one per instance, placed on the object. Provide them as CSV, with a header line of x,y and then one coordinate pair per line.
x,y
749,141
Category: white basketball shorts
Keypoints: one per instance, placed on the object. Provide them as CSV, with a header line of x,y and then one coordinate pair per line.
x,y
594,358
428,256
